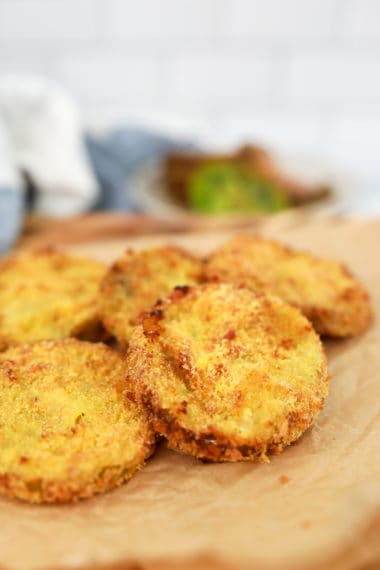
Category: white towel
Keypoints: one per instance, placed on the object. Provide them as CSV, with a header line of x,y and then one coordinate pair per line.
x,y
41,130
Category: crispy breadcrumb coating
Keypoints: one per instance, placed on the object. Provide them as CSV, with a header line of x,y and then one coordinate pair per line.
x,y
137,279
46,295
67,427
325,291
227,374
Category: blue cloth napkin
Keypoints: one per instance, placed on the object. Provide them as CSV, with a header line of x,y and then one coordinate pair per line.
x,y
117,157
11,214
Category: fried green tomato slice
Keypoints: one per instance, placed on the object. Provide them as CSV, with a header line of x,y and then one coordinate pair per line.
x,y
48,295
325,291
137,279
67,427
227,374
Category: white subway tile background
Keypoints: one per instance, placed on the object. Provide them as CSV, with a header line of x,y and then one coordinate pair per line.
x,y
299,75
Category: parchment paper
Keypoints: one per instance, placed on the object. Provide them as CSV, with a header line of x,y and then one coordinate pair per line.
x,y
179,513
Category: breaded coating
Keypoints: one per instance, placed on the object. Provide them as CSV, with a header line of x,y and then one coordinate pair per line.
x,y
227,374
46,295
67,427
325,291
137,279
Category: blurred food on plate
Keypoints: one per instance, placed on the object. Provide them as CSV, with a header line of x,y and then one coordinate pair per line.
x,y
247,180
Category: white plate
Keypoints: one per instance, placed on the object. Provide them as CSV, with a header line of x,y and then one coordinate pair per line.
x,y
152,196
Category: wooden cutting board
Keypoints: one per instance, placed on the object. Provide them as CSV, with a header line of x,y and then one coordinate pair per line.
x,y
178,513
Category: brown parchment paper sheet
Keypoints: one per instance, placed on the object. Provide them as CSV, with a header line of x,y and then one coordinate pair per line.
x,y
178,513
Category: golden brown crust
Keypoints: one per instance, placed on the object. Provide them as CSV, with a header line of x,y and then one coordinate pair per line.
x,y
68,428
137,279
325,291
46,294
227,374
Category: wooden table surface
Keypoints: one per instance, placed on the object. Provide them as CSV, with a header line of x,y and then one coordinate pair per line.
x,y
43,231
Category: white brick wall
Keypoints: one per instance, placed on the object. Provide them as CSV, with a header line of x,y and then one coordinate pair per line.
x,y
169,20
110,77
335,78
362,21
278,20
356,138
22,20
302,75
212,77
